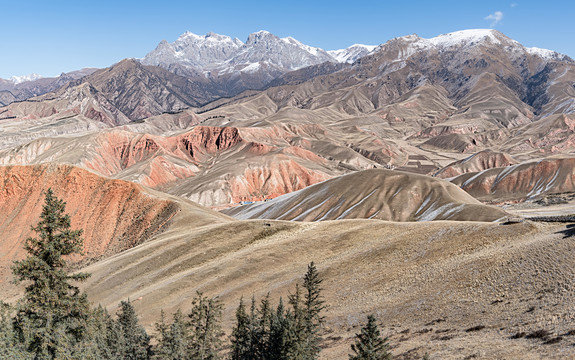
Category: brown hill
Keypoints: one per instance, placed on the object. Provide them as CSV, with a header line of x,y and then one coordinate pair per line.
x,y
480,161
552,135
373,194
525,181
114,214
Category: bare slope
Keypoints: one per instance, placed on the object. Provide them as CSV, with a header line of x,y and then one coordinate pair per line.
x,y
427,282
480,161
528,180
373,194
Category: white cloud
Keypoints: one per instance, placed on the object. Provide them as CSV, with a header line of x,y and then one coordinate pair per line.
x,y
495,18
514,5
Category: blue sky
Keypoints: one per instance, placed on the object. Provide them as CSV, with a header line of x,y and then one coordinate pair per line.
x,y
50,37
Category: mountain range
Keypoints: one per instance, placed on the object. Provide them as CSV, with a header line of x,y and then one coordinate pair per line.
x,y
413,104
229,64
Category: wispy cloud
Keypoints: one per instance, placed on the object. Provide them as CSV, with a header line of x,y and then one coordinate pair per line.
x,y
513,5
495,18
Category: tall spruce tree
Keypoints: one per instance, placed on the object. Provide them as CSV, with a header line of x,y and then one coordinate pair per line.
x,y
277,343
313,306
51,317
241,335
264,328
369,345
172,339
205,328
134,341
161,350
295,344
102,336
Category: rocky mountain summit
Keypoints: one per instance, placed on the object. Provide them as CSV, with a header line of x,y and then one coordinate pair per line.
x,y
213,54
238,66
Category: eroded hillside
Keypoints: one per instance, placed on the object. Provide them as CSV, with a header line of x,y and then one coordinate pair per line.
x,y
115,215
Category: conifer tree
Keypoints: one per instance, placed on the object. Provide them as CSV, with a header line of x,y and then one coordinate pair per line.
x,y
264,328
178,336
114,346
277,344
295,342
369,345
313,306
162,330
9,347
95,344
241,335
305,321
51,317
205,328
134,341
172,341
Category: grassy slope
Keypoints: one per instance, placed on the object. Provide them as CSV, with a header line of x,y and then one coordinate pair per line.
x,y
409,274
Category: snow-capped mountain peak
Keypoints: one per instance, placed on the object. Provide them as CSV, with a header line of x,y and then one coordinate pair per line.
x,y
24,78
545,54
220,54
189,34
465,40
466,37
259,36
352,53
194,50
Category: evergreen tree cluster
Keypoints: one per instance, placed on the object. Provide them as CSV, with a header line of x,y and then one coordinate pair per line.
x,y
199,337
53,320
266,333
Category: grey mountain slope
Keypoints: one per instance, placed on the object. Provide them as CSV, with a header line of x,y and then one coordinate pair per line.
x,y
10,91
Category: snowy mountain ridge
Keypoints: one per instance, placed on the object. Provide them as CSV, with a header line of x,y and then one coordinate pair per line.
x,y
468,40
221,54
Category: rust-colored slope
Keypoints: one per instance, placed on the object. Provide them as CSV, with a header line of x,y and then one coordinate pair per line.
x,y
212,165
373,194
520,182
114,214
480,161
552,135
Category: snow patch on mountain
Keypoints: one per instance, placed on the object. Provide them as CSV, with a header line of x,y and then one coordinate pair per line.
x,y
251,68
352,53
469,40
545,54
466,37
